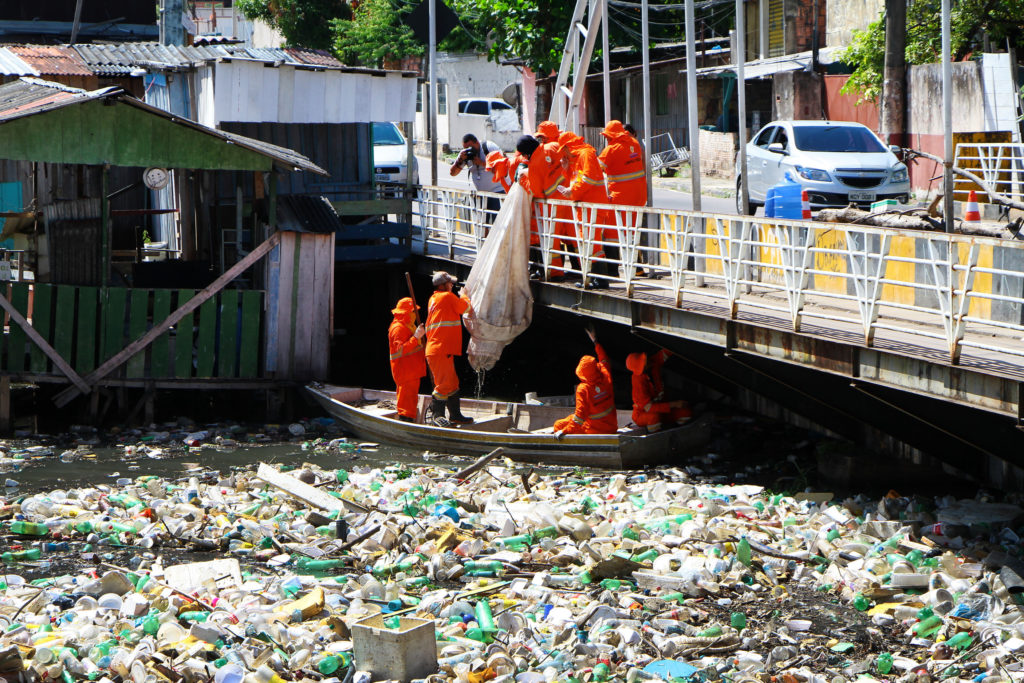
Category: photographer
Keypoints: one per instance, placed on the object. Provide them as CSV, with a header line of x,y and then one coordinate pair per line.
x,y
474,157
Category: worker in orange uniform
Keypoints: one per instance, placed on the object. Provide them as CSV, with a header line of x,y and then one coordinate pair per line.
x,y
545,175
547,131
500,166
405,344
586,184
444,342
649,411
624,169
595,401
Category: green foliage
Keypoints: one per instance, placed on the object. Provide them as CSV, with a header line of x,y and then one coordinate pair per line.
x,y
970,22
305,23
533,30
373,34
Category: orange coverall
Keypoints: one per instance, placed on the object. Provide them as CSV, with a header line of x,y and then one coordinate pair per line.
x,y
407,360
623,164
595,402
546,174
444,340
587,185
498,165
647,410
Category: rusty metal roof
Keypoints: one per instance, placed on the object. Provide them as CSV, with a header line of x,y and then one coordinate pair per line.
x,y
52,60
316,57
32,95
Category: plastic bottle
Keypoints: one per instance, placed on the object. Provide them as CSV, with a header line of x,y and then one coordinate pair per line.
x,y
492,566
309,565
883,663
514,542
927,627
330,663
961,640
738,620
484,618
29,528
743,551
20,556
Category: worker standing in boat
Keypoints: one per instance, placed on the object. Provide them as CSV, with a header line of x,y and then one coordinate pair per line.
x,y
649,411
444,342
595,401
405,344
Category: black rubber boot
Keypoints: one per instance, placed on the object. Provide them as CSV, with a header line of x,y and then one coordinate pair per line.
x,y
437,412
455,411
406,418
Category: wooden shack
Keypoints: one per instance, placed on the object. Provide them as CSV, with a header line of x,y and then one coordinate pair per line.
x,y
98,314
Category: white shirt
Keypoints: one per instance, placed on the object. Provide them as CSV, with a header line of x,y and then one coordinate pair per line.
x,y
480,176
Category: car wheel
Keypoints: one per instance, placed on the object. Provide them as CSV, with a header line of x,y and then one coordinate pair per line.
x,y
747,208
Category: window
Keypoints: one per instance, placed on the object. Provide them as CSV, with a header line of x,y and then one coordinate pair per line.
x,y
419,99
462,106
477,107
765,137
782,138
836,139
498,106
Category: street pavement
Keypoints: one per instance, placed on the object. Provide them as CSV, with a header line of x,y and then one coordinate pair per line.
x,y
665,194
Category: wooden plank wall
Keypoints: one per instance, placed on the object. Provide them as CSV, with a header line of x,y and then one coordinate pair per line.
x,y
300,287
88,325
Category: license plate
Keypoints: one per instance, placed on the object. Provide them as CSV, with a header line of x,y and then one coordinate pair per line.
x,y
383,176
862,196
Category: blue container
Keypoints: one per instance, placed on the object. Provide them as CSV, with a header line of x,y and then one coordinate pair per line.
x,y
787,202
769,203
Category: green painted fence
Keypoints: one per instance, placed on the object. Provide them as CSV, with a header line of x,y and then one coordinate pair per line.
x,y
87,325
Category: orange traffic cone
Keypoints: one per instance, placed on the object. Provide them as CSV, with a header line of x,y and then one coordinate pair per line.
x,y
805,202
972,215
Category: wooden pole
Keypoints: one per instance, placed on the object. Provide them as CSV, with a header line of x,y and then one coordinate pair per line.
x,y
480,463
18,319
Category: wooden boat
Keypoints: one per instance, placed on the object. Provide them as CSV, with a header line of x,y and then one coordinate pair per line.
x,y
524,430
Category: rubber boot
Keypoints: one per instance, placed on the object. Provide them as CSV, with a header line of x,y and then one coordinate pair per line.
x,y
455,415
406,418
437,412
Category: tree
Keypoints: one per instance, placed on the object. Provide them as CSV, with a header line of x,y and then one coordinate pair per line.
x,y
373,34
533,30
305,23
970,22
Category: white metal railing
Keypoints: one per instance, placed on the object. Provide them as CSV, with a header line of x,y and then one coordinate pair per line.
x,y
907,285
1000,164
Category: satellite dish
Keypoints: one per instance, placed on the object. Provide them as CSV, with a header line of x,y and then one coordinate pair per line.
x,y
511,94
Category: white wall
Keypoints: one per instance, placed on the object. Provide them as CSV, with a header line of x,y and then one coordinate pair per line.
x,y
1000,92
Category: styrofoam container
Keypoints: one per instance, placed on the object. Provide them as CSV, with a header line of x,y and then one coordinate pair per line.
x,y
403,653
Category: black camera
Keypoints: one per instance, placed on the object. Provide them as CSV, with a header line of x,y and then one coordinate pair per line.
x,y
470,153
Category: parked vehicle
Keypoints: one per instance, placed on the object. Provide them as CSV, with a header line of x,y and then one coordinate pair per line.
x,y
482,106
391,156
524,430
837,162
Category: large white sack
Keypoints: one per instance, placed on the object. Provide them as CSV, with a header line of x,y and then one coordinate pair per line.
x,y
499,283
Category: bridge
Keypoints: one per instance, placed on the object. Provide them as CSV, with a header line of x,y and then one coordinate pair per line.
x,y
912,339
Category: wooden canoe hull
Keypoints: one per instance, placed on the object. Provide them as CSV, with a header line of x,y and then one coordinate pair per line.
x,y
623,451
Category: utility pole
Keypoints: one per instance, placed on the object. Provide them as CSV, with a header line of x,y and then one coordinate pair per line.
x,y
894,84
947,120
432,101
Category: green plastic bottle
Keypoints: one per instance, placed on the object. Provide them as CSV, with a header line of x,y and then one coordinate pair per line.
x,y
514,542
546,532
630,533
711,632
647,556
484,617
927,627
860,603
961,641
20,556
601,672
328,664
738,620
883,663
309,565
494,566
29,528
743,551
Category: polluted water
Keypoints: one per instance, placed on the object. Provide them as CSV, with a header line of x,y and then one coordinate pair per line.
x,y
490,570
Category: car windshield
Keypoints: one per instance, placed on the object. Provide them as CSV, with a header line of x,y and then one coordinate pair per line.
x,y
835,139
386,134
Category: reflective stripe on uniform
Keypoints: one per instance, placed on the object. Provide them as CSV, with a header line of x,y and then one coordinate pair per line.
x,y
577,420
552,188
443,323
625,176
400,353
598,416
591,181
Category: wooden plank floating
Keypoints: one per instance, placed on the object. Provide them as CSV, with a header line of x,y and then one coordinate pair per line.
x,y
183,338
42,312
159,362
85,351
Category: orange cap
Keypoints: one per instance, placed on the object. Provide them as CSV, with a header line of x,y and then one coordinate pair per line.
x,y
405,305
549,130
614,129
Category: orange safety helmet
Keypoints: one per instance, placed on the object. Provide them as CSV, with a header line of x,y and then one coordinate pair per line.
x,y
636,362
405,305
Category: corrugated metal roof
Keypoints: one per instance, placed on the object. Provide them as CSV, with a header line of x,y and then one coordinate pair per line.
x,y
51,60
304,213
265,54
310,56
13,65
121,57
30,95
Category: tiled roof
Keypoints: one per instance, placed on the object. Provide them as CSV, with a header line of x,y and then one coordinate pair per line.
x,y
310,56
52,60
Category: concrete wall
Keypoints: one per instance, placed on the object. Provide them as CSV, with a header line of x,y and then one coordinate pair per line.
x,y
717,154
797,96
845,15
467,75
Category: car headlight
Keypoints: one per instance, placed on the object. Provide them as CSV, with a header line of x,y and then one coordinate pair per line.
x,y
899,174
813,174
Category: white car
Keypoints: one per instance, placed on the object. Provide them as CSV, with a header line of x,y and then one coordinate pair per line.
x,y
837,162
482,106
391,156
